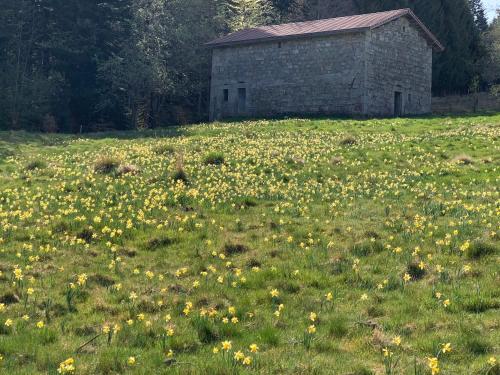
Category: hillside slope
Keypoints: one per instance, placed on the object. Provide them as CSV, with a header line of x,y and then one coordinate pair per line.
x,y
292,246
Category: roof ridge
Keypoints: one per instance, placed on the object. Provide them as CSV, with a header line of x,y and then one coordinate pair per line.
x,y
326,26
322,19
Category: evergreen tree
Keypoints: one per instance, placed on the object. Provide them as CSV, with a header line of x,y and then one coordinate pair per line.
x,y
479,14
243,14
288,10
492,66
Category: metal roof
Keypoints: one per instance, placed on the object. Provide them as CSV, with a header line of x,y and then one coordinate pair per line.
x,y
329,26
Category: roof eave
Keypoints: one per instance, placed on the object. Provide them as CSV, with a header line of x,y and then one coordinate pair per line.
x,y
436,44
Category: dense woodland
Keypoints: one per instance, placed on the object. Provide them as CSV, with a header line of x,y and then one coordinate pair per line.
x,y
89,65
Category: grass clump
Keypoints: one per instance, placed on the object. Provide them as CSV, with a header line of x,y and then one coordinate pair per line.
x,y
214,158
34,165
232,249
348,141
338,327
415,271
477,345
159,242
337,160
179,173
127,169
205,329
463,159
480,249
106,165
164,149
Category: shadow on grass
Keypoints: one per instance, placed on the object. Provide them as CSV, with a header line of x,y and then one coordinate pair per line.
x,y
320,117
13,142
11,139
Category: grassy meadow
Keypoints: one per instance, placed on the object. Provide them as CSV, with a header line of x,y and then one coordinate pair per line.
x,y
278,247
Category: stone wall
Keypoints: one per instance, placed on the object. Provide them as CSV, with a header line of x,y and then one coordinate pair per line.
x,y
399,59
302,76
482,102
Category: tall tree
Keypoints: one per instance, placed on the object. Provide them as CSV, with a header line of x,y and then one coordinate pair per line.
x,y
26,78
49,65
492,66
137,75
477,8
243,14
289,10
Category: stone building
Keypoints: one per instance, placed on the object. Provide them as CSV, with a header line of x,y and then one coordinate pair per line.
x,y
377,64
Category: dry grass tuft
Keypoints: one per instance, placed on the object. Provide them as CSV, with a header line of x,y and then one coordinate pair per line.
x,y
106,165
179,173
463,159
348,141
128,169
337,160
35,164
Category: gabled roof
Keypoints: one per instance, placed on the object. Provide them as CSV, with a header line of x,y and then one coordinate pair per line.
x,y
329,26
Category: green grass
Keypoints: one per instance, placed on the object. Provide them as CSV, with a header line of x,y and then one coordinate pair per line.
x,y
138,244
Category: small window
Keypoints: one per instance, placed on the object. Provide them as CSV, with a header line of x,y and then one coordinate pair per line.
x,y
409,98
404,29
226,95
279,45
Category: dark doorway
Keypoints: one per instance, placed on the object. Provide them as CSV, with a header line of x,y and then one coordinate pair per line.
x,y
242,100
398,104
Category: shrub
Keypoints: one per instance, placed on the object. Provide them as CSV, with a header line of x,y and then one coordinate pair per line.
x,y
106,165
214,158
35,164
